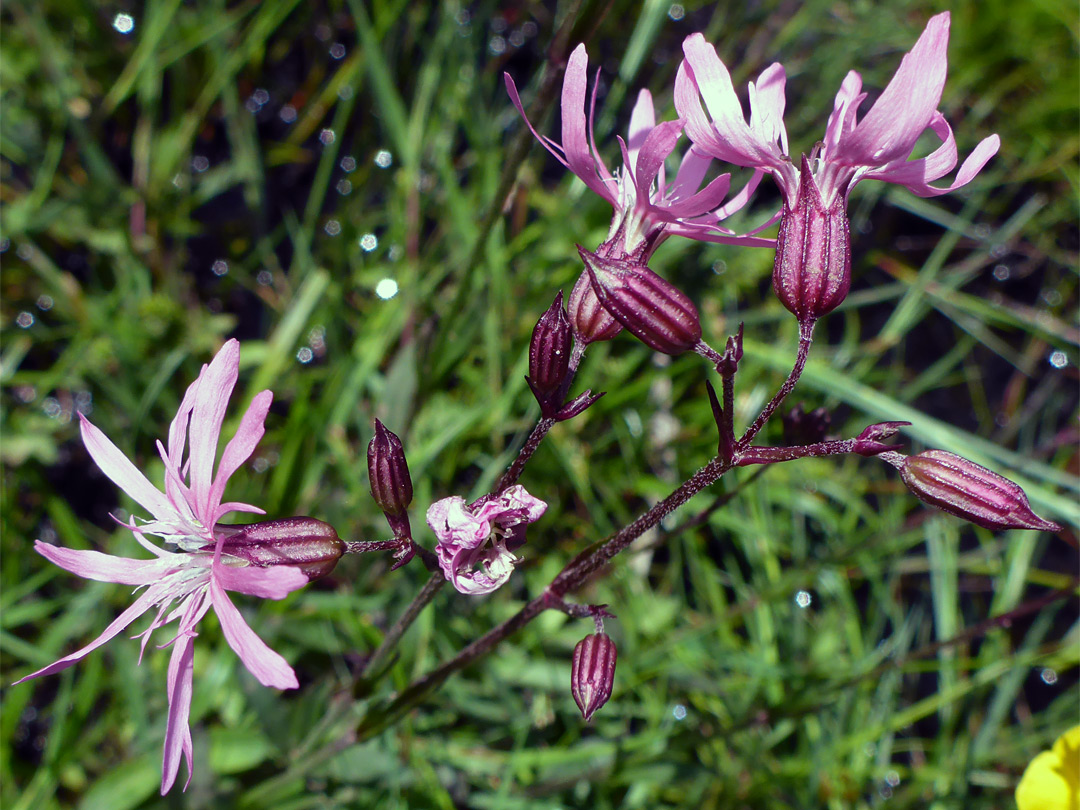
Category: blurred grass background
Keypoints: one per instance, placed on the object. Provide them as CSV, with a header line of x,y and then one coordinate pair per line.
x,y
177,173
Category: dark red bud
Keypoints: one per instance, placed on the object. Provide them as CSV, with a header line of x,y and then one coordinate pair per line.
x,y
812,270
652,309
592,674
302,542
388,472
549,357
588,318
968,490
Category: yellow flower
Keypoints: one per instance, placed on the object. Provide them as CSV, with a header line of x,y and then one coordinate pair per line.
x,y
1052,780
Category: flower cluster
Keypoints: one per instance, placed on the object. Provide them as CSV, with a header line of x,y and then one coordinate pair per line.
x,y
812,270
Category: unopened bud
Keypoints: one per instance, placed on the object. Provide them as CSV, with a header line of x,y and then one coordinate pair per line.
x,y
592,674
812,269
968,490
549,357
302,542
871,441
652,309
388,472
588,318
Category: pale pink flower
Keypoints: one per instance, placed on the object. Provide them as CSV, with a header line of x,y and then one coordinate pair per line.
x,y
876,148
184,585
648,208
467,559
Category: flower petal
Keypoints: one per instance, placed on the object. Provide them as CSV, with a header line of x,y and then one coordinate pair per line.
x,y
269,668
240,447
454,524
276,582
119,469
916,175
642,121
575,144
658,144
177,730
100,567
216,385
727,137
906,106
137,608
767,106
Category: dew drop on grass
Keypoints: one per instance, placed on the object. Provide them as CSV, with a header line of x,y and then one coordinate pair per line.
x,y
386,289
383,159
124,23
1058,359
368,242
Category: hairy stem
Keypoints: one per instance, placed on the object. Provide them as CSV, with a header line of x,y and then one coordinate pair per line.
x,y
576,573
806,331
394,634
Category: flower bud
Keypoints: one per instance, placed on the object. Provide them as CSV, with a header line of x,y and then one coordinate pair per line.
x,y
549,357
652,309
302,542
388,472
812,270
968,490
588,318
592,673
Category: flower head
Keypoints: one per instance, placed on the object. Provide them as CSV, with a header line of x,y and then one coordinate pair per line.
x,y
648,209
813,260
183,585
467,559
877,147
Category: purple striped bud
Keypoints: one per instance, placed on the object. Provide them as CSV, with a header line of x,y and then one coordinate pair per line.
x,y
302,542
592,673
968,490
388,474
549,357
652,309
812,270
391,486
588,318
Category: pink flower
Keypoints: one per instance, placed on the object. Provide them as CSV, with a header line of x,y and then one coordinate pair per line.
x,y
876,148
184,585
648,209
465,557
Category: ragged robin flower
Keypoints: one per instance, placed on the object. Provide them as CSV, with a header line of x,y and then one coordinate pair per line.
x,y
270,560
813,258
647,207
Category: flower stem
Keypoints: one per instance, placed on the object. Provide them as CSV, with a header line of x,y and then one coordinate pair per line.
x,y
806,331
514,471
394,634
576,573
